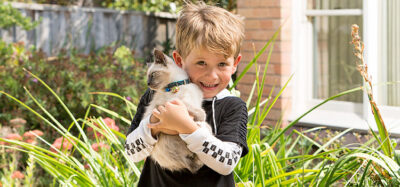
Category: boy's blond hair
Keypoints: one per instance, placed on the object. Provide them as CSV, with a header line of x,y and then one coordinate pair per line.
x,y
213,28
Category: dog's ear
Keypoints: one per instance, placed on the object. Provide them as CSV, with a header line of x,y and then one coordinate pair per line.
x,y
159,57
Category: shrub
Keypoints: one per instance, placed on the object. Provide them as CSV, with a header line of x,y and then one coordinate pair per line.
x,y
74,75
10,16
162,5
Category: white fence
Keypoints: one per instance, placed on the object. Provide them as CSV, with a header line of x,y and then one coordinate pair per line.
x,y
88,29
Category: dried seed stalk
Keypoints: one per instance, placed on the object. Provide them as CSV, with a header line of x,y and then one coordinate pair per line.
x,y
363,69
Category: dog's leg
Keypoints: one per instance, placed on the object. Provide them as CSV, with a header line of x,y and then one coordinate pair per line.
x,y
198,114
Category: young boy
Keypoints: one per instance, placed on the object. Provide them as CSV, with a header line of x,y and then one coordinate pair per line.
x,y
208,41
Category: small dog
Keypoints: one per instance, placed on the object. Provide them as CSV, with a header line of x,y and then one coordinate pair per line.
x,y
169,83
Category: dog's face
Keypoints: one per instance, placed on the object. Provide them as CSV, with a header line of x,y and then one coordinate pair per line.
x,y
158,74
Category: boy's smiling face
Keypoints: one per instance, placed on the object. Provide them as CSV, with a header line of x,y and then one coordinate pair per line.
x,y
210,71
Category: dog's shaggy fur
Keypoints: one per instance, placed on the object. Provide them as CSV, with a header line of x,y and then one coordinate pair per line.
x,y
170,151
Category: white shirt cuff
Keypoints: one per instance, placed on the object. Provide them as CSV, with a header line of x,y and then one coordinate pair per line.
x,y
146,131
197,138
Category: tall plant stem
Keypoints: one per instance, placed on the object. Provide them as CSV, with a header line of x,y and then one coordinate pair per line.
x,y
363,69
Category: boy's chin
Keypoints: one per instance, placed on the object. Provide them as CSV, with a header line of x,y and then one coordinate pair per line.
x,y
207,94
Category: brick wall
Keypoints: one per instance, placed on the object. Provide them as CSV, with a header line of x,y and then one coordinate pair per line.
x,y
262,19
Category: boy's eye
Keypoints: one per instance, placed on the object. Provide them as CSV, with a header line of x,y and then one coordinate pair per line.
x,y
200,63
222,64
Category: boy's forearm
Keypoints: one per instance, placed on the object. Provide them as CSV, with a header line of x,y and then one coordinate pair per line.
x,y
220,156
139,143
189,127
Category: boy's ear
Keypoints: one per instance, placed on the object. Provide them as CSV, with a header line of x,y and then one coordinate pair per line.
x,y
177,58
159,57
236,62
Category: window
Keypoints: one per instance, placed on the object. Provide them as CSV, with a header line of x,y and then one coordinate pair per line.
x,y
324,64
390,70
334,69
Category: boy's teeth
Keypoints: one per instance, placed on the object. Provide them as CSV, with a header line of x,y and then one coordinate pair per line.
x,y
209,85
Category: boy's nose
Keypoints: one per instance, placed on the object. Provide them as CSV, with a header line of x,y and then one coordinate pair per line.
x,y
212,74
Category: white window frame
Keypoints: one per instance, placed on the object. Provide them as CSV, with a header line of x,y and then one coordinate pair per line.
x,y
390,114
338,114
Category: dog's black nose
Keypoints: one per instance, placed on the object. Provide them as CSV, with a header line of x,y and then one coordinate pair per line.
x,y
149,80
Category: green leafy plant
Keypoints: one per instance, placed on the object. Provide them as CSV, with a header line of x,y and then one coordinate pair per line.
x,y
74,75
58,2
143,5
362,67
10,16
67,165
163,5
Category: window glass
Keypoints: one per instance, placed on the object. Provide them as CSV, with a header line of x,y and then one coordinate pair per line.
x,y
334,68
391,72
334,4
333,61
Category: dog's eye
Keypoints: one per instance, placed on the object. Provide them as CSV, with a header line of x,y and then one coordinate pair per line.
x,y
153,74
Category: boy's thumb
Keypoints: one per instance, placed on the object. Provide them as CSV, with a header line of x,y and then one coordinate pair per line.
x,y
153,125
176,101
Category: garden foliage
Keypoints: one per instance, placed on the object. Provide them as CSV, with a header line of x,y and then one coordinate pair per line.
x,y
162,5
73,75
171,6
10,16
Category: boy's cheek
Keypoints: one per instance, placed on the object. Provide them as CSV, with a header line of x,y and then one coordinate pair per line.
x,y
234,70
197,84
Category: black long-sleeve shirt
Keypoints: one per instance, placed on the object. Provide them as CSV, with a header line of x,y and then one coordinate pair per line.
x,y
230,115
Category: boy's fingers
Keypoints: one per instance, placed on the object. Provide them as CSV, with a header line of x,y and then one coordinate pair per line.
x,y
161,109
169,105
156,113
177,102
153,125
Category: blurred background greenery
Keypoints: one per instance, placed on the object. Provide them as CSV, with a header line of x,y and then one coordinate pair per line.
x,y
140,5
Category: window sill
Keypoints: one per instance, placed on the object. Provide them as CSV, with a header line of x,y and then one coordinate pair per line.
x,y
344,120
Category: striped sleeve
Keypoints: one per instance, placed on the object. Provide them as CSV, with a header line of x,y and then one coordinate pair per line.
x,y
139,143
220,156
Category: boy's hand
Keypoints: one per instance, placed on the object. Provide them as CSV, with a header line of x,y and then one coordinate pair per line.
x,y
154,119
156,131
174,116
